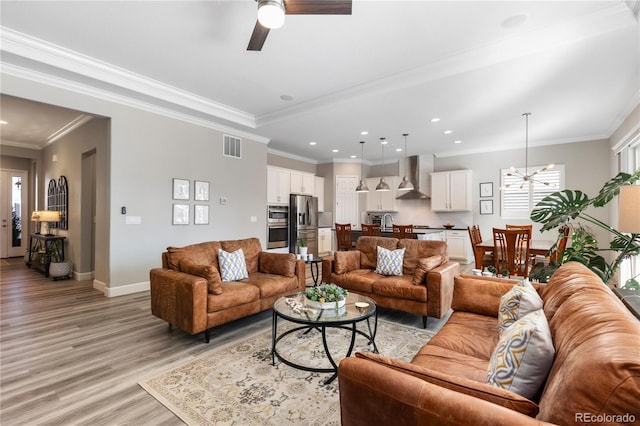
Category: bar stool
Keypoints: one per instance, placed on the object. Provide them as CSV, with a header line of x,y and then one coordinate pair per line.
x,y
344,236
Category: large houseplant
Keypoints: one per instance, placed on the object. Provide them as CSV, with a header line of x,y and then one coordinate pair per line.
x,y
567,207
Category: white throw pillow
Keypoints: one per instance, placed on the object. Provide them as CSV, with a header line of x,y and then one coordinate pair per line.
x,y
389,261
516,303
524,355
232,265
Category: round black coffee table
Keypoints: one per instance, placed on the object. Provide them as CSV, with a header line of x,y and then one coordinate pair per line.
x,y
313,319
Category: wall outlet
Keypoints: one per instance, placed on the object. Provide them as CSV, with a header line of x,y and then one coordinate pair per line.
x,y
223,201
254,219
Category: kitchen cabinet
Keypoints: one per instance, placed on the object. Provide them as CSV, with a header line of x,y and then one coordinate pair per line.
x,y
459,245
432,236
278,185
302,183
325,241
382,200
319,192
451,191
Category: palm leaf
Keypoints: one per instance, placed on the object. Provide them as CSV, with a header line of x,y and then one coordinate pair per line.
x,y
612,188
556,209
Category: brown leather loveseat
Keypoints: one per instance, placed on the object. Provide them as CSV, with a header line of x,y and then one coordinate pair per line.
x,y
594,376
424,288
189,293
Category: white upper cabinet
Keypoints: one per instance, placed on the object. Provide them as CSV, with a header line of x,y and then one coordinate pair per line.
x,y
278,185
302,183
382,200
451,191
319,192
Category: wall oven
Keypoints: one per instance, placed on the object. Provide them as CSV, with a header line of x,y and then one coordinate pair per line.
x,y
277,226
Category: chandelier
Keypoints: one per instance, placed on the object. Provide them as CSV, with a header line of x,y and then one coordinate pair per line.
x,y
525,177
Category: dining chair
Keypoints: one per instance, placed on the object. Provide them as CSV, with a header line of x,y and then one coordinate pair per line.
x,y
555,255
402,231
529,227
511,251
372,230
344,236
476,238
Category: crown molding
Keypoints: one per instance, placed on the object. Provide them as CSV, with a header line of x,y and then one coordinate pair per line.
x,y
68,128
109,96
41,51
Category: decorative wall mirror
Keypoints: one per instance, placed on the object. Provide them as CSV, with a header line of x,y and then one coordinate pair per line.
x,y
58,200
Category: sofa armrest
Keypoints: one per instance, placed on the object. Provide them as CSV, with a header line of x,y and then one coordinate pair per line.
x,y
301,274
440,288
327,268
393,397
180,299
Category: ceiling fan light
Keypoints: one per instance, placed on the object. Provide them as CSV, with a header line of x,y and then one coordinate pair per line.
x,y
405,185
271,13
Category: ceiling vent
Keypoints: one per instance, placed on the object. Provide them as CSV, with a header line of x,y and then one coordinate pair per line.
x,y
414,177
232,146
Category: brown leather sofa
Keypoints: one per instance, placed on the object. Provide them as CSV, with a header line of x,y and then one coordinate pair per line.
x,y
594,378
424,288
188,292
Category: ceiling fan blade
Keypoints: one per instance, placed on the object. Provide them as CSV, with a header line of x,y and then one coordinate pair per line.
x,y
258,37
317,7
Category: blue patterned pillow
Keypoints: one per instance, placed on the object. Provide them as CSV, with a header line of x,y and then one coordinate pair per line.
x,y
523,357
232,265
389,261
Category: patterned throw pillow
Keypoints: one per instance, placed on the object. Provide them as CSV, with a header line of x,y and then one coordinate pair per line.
x,y
524,355
516,303
232,265
389,261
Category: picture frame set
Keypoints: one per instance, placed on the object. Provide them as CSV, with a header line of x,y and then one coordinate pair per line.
x,y
181,190
486,190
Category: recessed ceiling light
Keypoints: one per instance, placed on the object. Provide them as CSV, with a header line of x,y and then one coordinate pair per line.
x,y
3,122
335,150
286,98
353,156
312,143
458,141
448,132
435,120
398,149
364,132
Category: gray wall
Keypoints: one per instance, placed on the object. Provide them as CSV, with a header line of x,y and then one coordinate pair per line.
x,y
145,152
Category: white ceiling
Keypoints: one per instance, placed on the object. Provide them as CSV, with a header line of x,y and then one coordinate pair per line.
x,y
388,69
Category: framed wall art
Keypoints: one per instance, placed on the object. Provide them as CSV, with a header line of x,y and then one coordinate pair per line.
x,y
201,190
486,206
201,214
486,189
180,214
180,189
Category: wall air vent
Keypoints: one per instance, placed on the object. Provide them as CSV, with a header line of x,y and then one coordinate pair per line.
x,y
232,146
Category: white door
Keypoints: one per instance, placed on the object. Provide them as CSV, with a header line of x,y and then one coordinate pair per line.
x,y
13,214
347,209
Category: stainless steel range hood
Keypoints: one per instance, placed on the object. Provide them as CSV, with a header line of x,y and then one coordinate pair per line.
x,y
414,176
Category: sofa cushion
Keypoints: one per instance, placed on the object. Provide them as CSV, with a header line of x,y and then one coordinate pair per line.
x,y
400,287
346,261
277,263
232,265
209,272
367,246
360,280
250,247
202,253
425,265
470,334
233,294
451,362
272,285
474,388
523,357
519,301
389,261
480,295
418,249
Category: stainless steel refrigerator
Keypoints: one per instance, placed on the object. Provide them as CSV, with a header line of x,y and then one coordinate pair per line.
x,y
303,222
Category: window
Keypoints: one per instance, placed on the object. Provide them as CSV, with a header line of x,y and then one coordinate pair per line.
x,y
519,199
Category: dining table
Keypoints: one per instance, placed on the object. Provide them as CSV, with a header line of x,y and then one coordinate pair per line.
x,y
536,247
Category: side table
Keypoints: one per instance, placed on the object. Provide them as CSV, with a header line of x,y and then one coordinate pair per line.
x,y
313,263
44,246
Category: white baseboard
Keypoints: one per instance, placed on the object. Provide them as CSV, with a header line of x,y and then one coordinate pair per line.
x,y
121,290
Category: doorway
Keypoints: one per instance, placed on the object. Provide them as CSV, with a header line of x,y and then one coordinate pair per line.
x,y
13,213
347,208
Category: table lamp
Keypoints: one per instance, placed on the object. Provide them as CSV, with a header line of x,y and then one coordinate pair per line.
x,y
49,216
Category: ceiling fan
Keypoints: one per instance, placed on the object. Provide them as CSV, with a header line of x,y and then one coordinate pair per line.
x,y
271,15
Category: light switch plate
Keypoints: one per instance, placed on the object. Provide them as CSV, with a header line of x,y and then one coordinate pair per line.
x,y
133,220
254,219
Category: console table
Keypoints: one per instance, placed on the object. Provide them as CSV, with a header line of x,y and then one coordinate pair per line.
x,y
44,246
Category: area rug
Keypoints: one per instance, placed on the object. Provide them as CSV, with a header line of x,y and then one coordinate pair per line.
x,y
237,384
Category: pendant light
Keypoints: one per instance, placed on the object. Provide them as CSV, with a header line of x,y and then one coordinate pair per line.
x,y
362,187
525,177
382,185
406,184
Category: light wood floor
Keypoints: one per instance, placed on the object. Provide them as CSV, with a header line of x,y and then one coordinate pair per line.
x,y
70,356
